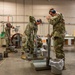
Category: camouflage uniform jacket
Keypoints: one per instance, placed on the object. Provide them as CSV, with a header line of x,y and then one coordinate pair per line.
x,y
29,29
7,32
58,25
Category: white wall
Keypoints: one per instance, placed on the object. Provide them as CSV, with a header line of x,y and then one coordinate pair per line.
x,y
39,9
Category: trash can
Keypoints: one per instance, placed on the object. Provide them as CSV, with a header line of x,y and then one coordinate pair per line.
x,y
56,66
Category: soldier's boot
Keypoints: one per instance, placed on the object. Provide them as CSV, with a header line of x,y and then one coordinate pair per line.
x,y
8,49
23,55
64,68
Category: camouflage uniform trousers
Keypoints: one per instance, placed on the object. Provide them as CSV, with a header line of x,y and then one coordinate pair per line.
x,y
29,44
58,47
7,42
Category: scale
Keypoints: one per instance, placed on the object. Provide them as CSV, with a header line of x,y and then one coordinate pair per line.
x,y
40,65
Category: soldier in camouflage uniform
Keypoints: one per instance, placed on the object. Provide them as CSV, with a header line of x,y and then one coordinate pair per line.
x,y
58,33
37,39
39,42
7,34
30,34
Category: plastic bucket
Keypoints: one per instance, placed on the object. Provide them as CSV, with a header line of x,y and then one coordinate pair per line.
x,y
56,66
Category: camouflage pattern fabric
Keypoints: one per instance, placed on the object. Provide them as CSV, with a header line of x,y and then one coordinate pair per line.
x,y
30,33
7,35
58,46
35,30
39,43
58,34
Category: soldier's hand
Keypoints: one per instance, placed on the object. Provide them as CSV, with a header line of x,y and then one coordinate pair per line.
x,y
34,40
48,35
13,27
48,17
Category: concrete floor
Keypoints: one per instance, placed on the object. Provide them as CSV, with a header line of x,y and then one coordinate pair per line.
x,y
14,65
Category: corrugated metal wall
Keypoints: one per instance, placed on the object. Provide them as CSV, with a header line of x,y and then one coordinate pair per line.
x,y
18,9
